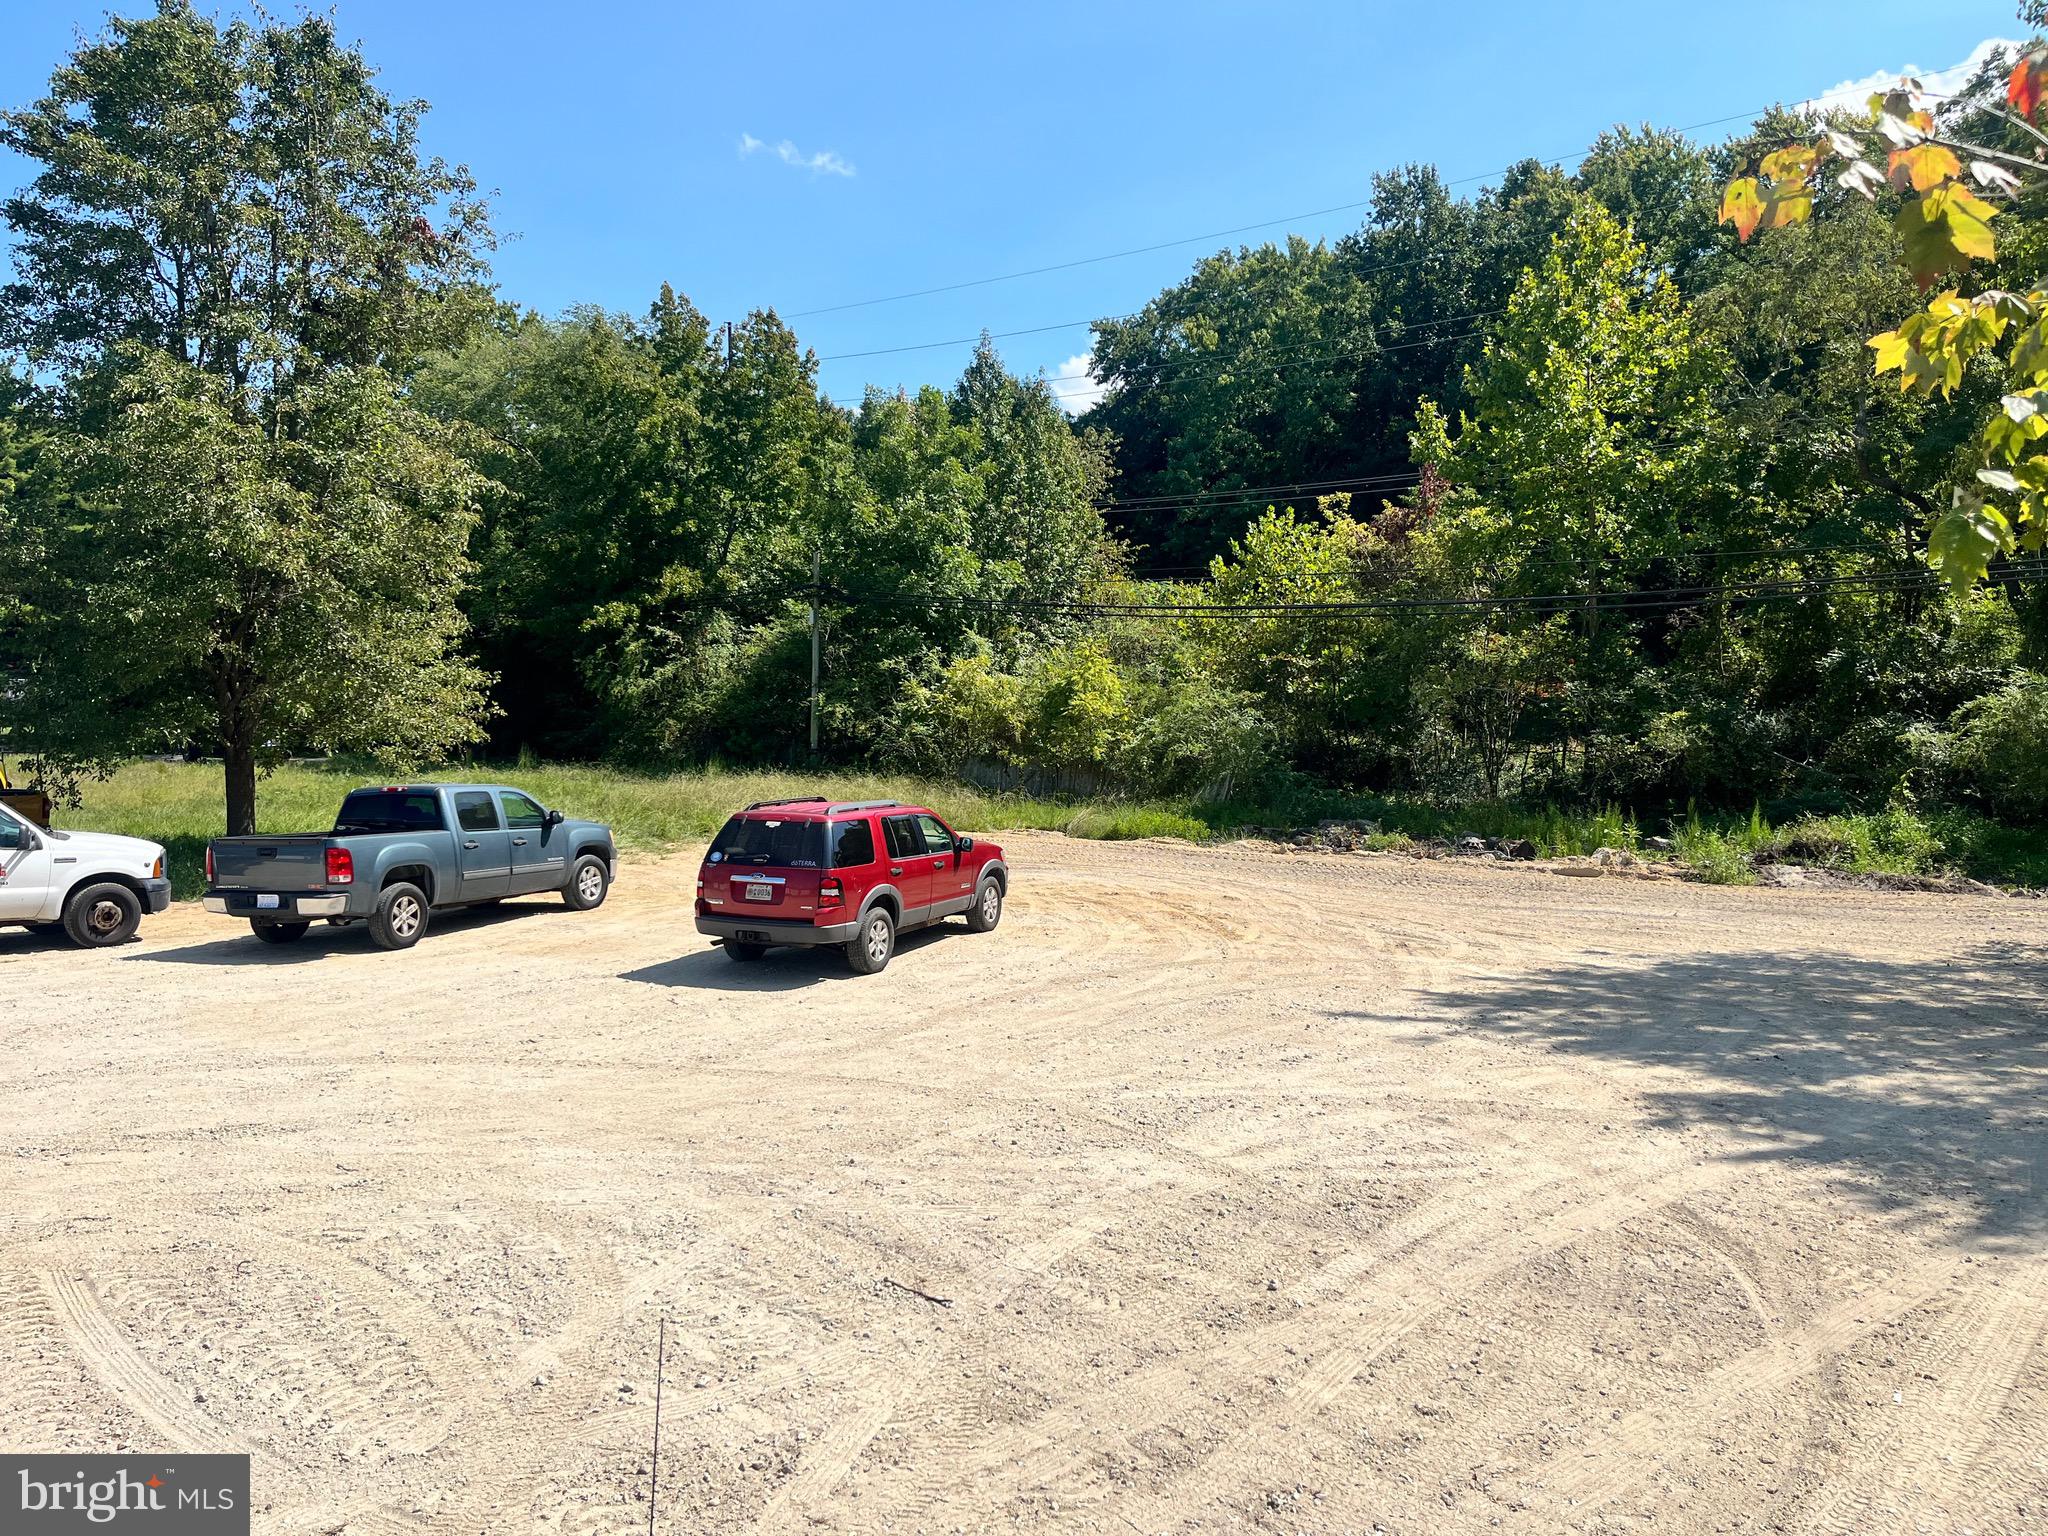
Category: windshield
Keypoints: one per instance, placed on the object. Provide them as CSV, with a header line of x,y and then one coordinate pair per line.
x,y
390,810
758,840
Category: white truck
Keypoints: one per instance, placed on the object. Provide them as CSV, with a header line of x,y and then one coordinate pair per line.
x,y
91,886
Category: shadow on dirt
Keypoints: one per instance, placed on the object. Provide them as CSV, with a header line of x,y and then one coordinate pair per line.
x,y
241,947
786,969
1910,1082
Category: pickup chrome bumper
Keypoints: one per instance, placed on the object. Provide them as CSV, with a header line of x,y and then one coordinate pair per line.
x,y
244,904
763,930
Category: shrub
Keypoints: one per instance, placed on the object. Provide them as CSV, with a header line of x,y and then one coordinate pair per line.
x,y
2000,753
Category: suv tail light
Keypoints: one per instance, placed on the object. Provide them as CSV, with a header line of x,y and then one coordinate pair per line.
x,y
831,893
341,867
209,863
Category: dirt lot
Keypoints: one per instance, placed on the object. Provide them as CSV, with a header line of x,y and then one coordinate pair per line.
x,y
1271,1193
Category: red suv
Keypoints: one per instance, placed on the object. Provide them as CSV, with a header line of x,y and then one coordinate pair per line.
x,y
816,871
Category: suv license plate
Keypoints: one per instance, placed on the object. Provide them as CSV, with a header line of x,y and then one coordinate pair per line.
x,y
759,893
266,903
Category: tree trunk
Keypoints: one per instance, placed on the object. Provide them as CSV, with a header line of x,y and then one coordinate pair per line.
x,y
241,784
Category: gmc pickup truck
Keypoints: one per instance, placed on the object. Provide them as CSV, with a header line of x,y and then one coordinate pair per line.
x,y
398,853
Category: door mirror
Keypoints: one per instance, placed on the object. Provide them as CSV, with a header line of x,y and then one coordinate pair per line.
x,y
553,819
964,845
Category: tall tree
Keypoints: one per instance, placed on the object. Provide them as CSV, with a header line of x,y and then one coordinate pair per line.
x,y
233,234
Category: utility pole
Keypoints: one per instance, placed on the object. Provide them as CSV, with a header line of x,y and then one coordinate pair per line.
x,y
815,562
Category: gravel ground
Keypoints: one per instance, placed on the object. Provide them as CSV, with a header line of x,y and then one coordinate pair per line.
x,y
1215,1190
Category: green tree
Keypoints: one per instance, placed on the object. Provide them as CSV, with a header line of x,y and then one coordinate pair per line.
x,y
267,592
234,252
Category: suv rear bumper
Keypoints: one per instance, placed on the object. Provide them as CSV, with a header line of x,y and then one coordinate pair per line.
x,y
289,906
762,930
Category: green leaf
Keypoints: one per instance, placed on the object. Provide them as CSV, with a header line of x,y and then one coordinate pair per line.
x,y
1964,542
2000,480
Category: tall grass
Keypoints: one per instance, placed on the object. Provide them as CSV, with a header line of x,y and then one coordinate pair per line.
x,y
180,806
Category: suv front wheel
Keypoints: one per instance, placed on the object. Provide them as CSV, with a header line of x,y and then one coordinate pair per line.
x,y
869,950
987,910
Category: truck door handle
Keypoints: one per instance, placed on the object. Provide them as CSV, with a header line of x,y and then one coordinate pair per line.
x,y
938,863
895,869
519,842
470,844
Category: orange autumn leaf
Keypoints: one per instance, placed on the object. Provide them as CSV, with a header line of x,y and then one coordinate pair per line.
x,y
1742,207
2029,77
1923,167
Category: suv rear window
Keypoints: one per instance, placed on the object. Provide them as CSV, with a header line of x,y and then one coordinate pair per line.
x,y
778,841
389,810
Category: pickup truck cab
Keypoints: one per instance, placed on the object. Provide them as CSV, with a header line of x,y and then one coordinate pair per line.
x,y
402,851
92,887
854,874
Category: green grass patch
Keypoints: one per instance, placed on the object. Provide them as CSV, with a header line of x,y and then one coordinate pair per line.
x,y
180,805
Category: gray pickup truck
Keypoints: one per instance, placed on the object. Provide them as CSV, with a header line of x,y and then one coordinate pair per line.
x,y
400,852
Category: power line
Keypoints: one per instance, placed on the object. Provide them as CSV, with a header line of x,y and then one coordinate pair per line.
x,y
1631,600
1070,325
1224,363
1240,229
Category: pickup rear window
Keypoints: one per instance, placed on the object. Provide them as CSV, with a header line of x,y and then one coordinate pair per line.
x,y
780,842
388,810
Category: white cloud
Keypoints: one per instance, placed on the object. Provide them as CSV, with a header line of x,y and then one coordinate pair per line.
x,y
825,162
1938,82
1075,386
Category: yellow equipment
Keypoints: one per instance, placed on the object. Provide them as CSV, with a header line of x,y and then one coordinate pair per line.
x,y
32,803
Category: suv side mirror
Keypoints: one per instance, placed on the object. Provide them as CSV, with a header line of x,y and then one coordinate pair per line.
x,y
964,845
553,819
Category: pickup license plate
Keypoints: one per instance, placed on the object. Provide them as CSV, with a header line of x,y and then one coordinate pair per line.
x,y
759,893
266,903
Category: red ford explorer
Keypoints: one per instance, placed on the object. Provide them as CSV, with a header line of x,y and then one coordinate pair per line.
x,y
816,871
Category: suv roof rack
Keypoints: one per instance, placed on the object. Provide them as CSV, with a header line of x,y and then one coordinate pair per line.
x,y
862,805
762,805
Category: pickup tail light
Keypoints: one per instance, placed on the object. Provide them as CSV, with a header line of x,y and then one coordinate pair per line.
x,y
831,893
209,863
341,867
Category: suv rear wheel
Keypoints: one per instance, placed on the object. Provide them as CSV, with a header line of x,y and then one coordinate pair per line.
x,y
735,950
869,950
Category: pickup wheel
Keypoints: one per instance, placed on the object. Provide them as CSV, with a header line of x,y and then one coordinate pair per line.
x,y
99,915
987,910
588,882
869,950
735,950
400,918
279,933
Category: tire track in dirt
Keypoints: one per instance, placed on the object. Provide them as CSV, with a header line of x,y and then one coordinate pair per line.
x,y
1637,1446
1957,1377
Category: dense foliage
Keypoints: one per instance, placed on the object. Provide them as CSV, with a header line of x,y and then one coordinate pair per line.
x,y
1600,502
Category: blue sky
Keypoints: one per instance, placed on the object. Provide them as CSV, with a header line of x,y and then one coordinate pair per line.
x,y
805,156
